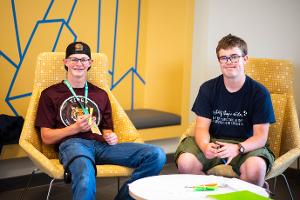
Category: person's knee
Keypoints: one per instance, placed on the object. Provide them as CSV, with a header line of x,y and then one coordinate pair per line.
x,y
254,170
188,164
155,155
254,165
159,155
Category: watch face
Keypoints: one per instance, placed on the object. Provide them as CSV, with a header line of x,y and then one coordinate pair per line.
x,y
242,149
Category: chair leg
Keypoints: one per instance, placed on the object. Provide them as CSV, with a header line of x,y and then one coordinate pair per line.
x,y
274,186
50,187
266,186
28,184
118,184
288,186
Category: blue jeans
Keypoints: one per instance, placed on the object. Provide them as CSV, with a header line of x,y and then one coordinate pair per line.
x,y
148,160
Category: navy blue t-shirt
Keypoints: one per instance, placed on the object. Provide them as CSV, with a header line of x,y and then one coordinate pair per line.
x,y
234,114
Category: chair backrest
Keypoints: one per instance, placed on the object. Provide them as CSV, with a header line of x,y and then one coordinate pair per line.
x,y
277,76
50,70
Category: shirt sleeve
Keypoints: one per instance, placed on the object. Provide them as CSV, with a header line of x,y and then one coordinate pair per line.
x,y
202,105
106,121
263,109
46,112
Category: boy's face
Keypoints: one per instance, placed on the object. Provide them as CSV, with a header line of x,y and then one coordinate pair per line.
x,y
78,64
232,62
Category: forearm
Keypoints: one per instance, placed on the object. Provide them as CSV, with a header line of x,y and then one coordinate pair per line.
x,y
259,138
202,137
253,143
53,136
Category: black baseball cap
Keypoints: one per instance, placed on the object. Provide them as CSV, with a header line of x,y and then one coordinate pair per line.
x,y
78,48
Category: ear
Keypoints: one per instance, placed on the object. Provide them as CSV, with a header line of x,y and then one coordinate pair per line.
x,y
246,58
65,61
65,64
91,62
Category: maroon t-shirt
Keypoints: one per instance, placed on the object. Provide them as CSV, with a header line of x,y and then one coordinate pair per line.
x,y
58,108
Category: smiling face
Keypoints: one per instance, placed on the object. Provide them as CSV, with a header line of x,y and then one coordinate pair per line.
x,y
77,65
232,62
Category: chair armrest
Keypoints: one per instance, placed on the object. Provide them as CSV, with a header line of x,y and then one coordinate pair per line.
x,y
283,162
188,132
41,161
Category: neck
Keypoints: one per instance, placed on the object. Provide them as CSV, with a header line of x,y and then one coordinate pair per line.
x,y
234,84
76,82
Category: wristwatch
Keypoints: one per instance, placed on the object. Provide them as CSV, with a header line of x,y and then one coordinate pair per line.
x,y
241,148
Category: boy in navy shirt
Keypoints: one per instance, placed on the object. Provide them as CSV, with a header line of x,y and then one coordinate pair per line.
x,y
233,114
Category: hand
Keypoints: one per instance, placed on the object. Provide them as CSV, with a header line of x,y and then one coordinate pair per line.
x,y
227,150
111,138
210,150
82,123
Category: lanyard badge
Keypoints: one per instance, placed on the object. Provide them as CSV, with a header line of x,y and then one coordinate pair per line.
x,y
86,111
86,90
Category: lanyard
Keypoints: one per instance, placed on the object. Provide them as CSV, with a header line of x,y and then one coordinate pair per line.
x,y
86,89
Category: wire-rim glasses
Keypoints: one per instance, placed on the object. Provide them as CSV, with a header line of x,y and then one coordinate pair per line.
x,y
233,58
77,60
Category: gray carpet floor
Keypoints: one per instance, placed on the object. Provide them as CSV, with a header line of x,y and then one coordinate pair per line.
x,y
12,187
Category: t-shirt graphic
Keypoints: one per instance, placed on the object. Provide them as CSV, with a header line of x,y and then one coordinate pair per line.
x,y
233,114
224,117
70,110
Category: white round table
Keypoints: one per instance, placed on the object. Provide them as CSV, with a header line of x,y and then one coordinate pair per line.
x,y
172,187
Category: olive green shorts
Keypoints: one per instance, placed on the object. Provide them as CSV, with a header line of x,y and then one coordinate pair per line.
x,y
188,145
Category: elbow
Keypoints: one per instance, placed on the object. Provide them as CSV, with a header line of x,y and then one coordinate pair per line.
x,y
47,142
263,142
45,138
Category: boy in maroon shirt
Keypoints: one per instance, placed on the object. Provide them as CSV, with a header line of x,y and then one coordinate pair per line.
x,y
64,119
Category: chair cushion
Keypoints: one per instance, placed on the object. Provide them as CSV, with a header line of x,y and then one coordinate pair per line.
x,y
274,139
103,170
148,118
49,151
222,170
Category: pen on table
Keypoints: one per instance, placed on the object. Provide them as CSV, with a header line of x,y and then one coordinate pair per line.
x,y
204,187
207,184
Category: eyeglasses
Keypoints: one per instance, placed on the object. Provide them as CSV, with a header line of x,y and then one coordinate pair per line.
x,y
76,60
233,58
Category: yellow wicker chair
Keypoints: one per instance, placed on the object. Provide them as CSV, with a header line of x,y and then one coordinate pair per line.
x,y
50,70
284,135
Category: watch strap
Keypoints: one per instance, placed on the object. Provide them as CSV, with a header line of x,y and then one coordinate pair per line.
x,y
241,148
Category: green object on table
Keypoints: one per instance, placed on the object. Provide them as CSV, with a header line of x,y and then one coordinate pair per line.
x,y
244,195
205,188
